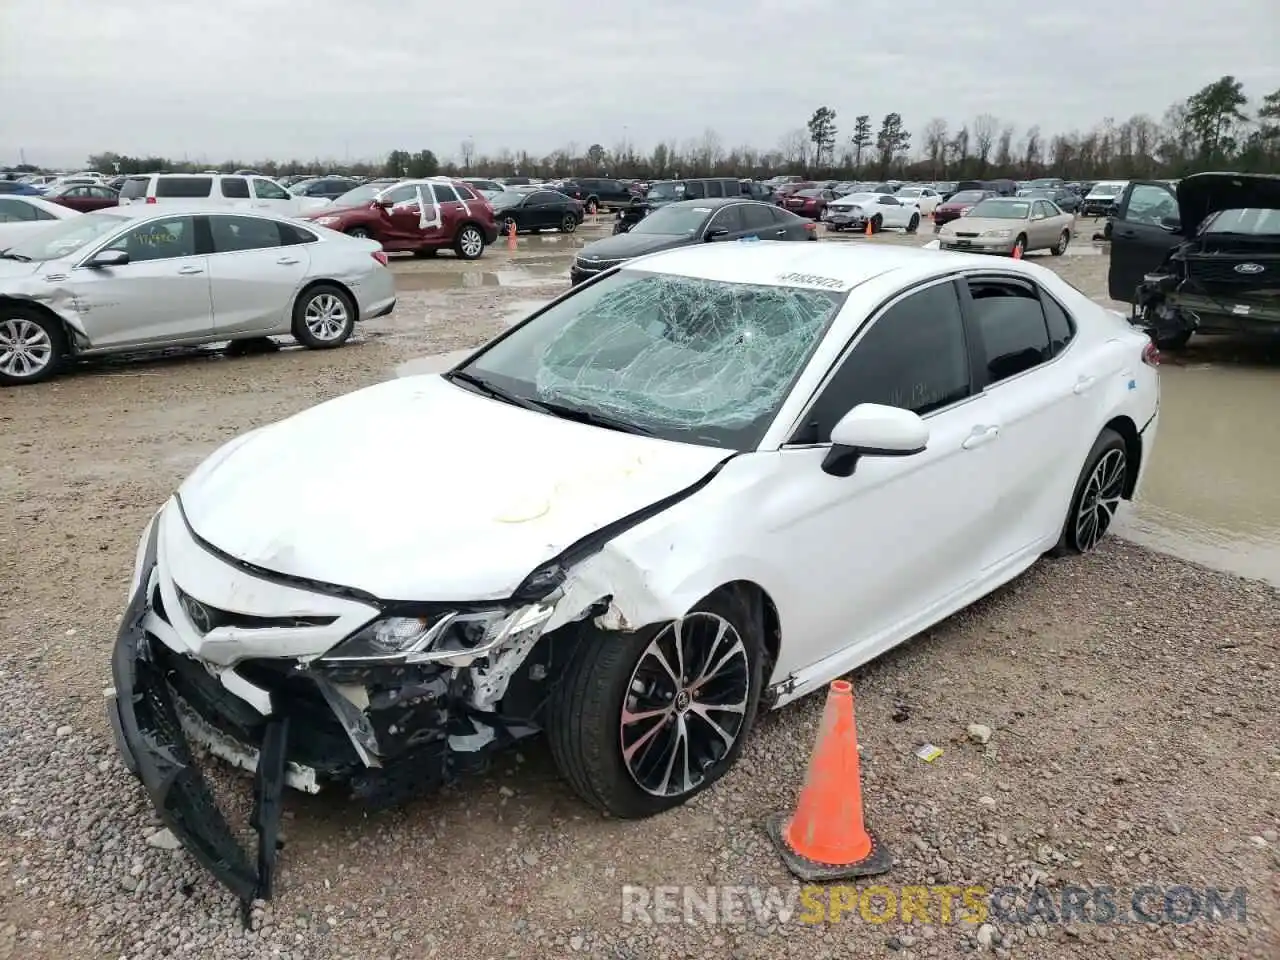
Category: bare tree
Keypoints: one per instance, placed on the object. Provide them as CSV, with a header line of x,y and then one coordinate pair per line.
x,y
710,150
1004,150
794,146
468,153
934,141
1031,153
984,138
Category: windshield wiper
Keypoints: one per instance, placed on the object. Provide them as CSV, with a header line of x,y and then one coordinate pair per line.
x,y
497,393
6,255
596,419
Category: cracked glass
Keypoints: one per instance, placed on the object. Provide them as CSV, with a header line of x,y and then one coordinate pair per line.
x,y
683,358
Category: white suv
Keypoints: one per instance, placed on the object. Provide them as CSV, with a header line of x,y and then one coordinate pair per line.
x,y
195,190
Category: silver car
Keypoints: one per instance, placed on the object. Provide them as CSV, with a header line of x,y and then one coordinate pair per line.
x,y
121,280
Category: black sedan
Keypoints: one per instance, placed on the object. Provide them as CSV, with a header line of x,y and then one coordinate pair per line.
x,y
537,210
688,222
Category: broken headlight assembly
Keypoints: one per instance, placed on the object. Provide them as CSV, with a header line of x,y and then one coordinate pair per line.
x,y
450,639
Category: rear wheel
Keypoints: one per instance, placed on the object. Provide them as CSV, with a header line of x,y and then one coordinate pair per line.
x,y
1061,247
32,345
641,722
360,233
877,223
570,224
1099,490
914,225
324,317
470,243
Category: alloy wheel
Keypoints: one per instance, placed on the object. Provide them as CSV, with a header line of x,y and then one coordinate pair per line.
x,y
326,317
569,224
1100,500
25,348
685,704
471,242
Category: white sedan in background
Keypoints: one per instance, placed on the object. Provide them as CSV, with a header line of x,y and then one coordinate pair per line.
x,y
698,531
138,278
924,199
881,210
24,216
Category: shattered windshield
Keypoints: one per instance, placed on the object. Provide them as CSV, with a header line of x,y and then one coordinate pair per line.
x,y
682,358
1254,220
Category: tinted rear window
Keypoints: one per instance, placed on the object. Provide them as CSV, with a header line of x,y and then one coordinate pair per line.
x,y
183,186
134,188
235,187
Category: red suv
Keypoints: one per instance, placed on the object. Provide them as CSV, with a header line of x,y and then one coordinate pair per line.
x,y
421,216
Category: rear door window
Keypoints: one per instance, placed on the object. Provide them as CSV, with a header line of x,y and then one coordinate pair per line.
x,y
444,193
232,234
715,188
134,188
15,211
1015,335
695,190
756,216
185,187
235,188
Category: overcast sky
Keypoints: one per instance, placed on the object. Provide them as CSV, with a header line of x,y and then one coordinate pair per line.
x,y
252,79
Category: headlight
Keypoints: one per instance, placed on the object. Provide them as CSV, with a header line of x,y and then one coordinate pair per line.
x,y
326,221
998,234
453,639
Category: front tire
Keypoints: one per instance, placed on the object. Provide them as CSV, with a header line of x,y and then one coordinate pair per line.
x,y
877,223
1019,247
1099,490
914,225
32,346
641,722
324,317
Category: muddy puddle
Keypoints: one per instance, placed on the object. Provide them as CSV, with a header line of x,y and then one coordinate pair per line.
x,y
1212,494
526,272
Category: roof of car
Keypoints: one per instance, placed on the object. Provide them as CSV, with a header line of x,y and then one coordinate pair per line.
x,y
831,266
716,202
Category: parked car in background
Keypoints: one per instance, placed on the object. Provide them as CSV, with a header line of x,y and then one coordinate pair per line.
x,y
1102,197
1201,256
529,212
140,279
417,216
17,188
1065,199
757,191
322,188
808,203
486,188
196,191
22,216
687,223
663,192
944,188
924,199
880,210
597,193
958,204
85,197
1010,225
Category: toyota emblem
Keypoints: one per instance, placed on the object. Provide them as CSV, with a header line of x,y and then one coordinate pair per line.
x,y
1249,268
201,617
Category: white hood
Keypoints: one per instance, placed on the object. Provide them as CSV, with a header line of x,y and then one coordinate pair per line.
x,y
417,489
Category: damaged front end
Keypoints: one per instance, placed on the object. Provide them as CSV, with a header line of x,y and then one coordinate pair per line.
x,y
408,698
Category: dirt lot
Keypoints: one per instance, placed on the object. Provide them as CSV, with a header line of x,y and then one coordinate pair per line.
x,y
1132,698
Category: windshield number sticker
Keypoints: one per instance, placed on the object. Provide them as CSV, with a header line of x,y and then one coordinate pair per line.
x,y
811,280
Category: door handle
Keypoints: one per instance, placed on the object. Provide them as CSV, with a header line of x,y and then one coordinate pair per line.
x,y
979,436
287,261
1084,384
187,271
780,233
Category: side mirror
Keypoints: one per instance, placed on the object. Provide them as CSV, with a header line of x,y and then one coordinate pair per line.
x,y
108,258
874,430
384,203
716,233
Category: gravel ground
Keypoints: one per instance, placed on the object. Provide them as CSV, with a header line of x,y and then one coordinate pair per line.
x,y
1131,698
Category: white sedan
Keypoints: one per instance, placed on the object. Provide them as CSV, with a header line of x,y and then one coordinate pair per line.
x,y
139,278
23,216
881,210
924,199
733,473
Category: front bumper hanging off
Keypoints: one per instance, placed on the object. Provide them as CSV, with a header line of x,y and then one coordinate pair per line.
x,y
149,736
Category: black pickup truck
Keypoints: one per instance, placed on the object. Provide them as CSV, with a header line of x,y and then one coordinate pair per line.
x,y
1201,256
597,193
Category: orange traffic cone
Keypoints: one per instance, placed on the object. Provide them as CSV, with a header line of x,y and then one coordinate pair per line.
x,y
1017,251
826,839
511,235
870,229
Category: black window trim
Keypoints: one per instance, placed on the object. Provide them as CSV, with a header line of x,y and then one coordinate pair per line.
x,y
972,347
978,352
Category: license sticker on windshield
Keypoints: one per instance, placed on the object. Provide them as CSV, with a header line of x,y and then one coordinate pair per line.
x,y
811,280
